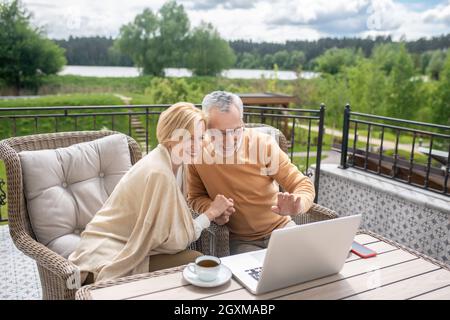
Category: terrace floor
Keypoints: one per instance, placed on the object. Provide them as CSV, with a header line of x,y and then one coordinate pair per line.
x,y
19,278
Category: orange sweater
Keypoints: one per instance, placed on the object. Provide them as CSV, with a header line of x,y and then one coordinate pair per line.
x,y
253,192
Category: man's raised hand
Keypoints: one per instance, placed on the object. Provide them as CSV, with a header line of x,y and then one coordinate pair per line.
x,y
288,204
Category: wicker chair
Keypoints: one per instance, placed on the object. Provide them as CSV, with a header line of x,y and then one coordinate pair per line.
x,y
58,276
215,240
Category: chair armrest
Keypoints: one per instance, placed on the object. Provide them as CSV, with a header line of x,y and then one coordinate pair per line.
x,y
214,240
315,213
48,259
219,239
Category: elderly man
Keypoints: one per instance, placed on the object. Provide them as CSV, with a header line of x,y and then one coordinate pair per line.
x,y
243,164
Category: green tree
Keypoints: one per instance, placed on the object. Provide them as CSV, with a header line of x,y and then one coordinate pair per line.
x,y
333,91
441,105
334,60
25,53
166,90
209,54
436,64
139,40
115,58
425,61
368,87
386,55
281,59
174,28
155,41
248,61
401,100
268,61
297,60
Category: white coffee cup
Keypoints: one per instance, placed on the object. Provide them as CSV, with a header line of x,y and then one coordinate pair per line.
x,y
205,267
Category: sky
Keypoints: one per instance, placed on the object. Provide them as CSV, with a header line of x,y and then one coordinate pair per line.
x,y
256,20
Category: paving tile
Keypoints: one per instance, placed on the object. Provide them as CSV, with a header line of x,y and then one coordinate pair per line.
x,y
19,278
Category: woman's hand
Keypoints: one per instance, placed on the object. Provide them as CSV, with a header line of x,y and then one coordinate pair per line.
x,y
219,206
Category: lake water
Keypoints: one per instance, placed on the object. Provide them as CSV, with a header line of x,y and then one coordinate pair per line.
x,y
94,71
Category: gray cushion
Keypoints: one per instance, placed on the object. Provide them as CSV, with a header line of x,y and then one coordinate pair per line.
x,y
65,187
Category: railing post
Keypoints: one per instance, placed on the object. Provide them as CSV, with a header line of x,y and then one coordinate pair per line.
x,y
2,199
345,131
146,130
319,150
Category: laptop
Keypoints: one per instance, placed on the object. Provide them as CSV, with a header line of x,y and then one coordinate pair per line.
x,y
296,254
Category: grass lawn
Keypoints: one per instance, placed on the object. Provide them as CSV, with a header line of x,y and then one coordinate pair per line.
x,y
301,141
389,135
26,126
405,138
361,144
300,162
74,99
419,158
80,84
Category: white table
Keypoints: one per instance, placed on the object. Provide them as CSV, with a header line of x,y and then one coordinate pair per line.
x,y
395,273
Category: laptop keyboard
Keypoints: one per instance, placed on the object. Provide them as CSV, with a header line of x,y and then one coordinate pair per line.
x,y
254,273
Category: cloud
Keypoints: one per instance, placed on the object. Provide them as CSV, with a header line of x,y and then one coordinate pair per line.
x,y
213,4
339,16
85,17
258,20
303,12
440,14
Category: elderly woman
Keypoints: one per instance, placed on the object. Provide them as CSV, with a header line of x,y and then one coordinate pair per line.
x,y
146,224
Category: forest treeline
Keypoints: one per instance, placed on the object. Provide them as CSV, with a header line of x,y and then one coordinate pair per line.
x,y
98,51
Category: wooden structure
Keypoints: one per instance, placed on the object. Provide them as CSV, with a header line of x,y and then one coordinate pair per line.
x,y
269,99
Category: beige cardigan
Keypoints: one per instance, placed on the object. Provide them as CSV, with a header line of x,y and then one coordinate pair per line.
x,y
146,214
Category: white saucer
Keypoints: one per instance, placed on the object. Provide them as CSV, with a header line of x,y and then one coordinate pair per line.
x,y
223,277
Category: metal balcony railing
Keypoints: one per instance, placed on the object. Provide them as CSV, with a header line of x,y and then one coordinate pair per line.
x,y
411,152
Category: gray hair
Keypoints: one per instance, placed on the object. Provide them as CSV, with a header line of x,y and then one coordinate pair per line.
x,y
222,100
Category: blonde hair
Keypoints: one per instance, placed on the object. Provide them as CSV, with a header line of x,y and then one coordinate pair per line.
x,y
181,115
